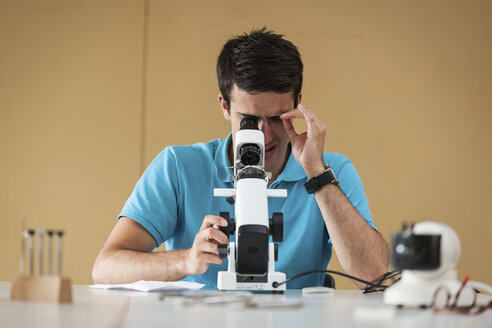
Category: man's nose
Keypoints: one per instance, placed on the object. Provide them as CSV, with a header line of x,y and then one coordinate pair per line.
x,y
261,124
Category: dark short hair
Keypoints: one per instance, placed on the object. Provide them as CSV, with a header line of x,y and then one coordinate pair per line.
x,y
258,62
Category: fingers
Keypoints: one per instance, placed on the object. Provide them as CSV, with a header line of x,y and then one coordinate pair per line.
x,y
211,220
295,113
309,116
208,247
313,124
199,261
213,235
289,129
300,112
315,127
205,246
211,259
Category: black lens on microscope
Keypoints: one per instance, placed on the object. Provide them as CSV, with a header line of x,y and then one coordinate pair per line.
x,y
250,154
249,122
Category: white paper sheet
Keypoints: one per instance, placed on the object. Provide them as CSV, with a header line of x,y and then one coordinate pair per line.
x,y
151,286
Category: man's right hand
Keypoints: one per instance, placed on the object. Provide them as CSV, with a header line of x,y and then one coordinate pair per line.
x,y
205,246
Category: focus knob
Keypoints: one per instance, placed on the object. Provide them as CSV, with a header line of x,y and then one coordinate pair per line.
x,y
231,226
277,227
223,251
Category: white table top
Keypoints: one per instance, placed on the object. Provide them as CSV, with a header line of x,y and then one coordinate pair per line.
x,y
102,308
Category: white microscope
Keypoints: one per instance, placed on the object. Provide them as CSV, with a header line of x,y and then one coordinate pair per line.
x,y
428,253
252,258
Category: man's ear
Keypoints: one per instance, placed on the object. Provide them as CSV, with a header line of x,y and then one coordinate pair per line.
x,y
299,97
224,107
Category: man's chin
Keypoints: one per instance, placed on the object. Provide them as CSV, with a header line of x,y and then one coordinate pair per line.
x,y
269,165
273,163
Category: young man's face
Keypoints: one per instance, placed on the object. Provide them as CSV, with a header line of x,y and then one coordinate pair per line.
x,y
266,107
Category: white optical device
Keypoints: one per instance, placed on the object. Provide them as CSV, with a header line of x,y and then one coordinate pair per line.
x,y
252,257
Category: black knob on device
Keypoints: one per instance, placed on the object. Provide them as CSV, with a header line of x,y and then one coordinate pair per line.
x,y
277,227
223,251
231,226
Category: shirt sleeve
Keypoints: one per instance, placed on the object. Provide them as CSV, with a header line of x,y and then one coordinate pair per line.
x,y
154,200
352,187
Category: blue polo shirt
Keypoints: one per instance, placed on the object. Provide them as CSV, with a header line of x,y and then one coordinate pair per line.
x,y
175,193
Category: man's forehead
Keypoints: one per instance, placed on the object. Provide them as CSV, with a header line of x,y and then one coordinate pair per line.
x,y
237,92
264,104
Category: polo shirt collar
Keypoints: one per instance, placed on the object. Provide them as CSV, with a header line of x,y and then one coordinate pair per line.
x,y
221,160
293,171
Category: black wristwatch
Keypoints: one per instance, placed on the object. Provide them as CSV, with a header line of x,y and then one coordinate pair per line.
x,y
316,183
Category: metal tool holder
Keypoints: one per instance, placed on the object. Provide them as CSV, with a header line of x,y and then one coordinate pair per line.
x,y
41,285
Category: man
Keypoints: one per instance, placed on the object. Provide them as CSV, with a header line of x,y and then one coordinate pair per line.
x,y
260,75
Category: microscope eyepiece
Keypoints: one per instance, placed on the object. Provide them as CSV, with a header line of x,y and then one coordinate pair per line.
x,y
249,122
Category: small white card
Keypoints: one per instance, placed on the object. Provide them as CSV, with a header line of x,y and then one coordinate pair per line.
x,y
152,286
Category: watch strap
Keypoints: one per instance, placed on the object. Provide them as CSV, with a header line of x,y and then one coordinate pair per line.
x,y
316,183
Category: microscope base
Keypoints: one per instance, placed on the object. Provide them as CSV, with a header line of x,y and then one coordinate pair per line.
x,y
228,280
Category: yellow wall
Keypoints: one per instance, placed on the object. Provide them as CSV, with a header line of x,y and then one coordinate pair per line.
x,y
91,91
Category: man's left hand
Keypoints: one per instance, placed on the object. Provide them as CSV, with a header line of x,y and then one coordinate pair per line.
x,y
308,146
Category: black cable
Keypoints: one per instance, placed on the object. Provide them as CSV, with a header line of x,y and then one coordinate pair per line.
x,y
381,279
275,284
